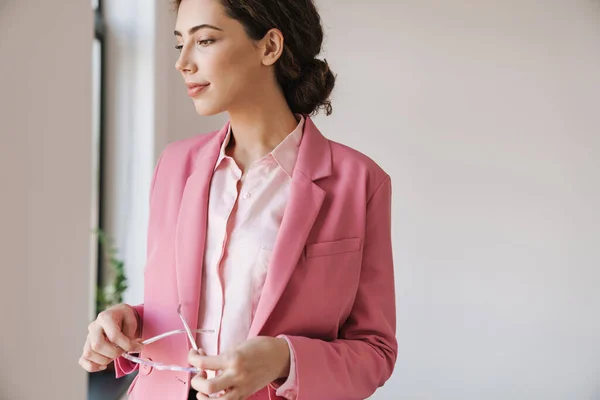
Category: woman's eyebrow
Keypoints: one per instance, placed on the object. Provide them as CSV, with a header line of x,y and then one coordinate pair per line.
x,y
198,27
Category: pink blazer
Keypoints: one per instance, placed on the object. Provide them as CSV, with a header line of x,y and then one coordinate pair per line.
x,y
330,285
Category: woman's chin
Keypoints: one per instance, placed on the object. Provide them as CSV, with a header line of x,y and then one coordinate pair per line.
x,y
206,109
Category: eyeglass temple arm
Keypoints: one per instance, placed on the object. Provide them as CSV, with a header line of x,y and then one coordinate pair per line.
x,y
187,328
175,332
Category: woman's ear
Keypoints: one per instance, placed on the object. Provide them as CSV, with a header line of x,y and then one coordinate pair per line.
x,y
272,46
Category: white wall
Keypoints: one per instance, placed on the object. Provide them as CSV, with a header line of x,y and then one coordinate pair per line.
x,y
485,115
45,197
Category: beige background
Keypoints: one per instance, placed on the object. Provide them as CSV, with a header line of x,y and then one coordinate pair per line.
x,y
45,197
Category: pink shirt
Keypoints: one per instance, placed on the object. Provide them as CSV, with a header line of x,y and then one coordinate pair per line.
x,y
244,217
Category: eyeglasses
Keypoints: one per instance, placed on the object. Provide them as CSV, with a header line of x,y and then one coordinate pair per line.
x,y
164,367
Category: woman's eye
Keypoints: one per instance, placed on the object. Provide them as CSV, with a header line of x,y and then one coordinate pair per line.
x,y
205,42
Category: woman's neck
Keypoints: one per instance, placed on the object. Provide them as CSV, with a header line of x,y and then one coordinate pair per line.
x,y
259,128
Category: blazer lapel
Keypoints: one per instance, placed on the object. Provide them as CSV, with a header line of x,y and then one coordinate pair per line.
x,y
192,226
304,204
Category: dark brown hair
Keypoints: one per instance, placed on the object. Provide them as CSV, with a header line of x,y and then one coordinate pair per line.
x,y
306,81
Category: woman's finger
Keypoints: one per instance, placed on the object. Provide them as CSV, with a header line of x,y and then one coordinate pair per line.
x,y
201,396
100,344
203,374
214,385
231,395
90,366
198,380
113,332
94,357
213,363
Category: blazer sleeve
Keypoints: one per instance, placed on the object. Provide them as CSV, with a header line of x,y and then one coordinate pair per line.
x,y
123,366
363,357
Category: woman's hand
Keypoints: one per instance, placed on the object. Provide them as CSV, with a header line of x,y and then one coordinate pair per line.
x,y
244,371
112,333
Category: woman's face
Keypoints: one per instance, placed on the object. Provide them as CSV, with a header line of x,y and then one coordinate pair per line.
x,y
217,56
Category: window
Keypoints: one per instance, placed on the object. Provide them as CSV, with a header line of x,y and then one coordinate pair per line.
x,y
102,385
97,121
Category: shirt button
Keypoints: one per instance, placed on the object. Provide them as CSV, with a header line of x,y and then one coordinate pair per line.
x,y
146,369
246,195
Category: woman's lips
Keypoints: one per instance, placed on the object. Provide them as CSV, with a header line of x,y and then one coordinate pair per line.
x,y
195,90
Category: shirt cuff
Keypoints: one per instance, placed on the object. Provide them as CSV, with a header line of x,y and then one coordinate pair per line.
x,y
289,388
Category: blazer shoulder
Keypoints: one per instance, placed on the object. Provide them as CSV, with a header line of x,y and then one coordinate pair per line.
x,y
347,160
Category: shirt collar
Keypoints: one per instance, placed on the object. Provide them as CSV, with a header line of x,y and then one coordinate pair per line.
x,y
286,152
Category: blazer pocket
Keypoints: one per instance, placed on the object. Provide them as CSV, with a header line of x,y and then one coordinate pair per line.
x,y
335,247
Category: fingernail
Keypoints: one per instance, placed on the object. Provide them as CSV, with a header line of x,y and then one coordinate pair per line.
x,y
102,367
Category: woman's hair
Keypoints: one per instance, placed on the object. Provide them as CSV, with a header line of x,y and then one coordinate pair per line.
x,y
306,81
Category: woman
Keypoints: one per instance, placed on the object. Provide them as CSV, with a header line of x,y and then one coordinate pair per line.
x,y
265,232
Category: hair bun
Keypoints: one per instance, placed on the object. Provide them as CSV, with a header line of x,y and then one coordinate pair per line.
x,y
311,90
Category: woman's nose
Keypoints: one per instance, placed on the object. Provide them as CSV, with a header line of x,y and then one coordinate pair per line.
x,y
184,63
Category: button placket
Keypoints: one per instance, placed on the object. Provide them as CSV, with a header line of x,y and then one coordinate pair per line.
x,y
224,245
245,191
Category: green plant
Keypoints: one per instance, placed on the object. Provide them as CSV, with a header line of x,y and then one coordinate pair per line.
x,y
112,292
